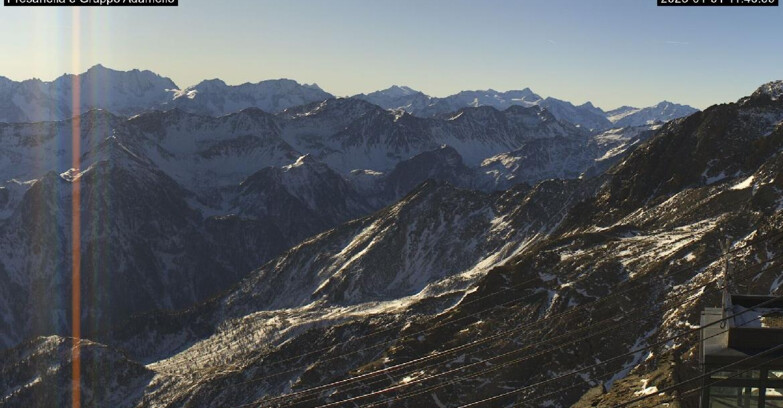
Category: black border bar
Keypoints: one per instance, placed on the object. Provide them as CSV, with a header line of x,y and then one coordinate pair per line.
x,y
90,3
718,3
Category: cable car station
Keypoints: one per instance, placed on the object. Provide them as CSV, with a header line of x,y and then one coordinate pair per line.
x,y
749,341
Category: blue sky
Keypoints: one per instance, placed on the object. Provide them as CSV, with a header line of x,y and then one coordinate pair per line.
x,y
610,52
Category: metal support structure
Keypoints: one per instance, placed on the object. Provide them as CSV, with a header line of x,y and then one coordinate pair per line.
x,y
727,282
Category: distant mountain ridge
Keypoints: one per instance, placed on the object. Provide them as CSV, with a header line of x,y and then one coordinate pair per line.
x,y
121,92
662,112
129,93
215,98
586,115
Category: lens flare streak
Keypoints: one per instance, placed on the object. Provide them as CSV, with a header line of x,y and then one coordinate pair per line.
x,y
76,218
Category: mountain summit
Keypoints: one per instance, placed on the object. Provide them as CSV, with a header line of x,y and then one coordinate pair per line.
x,y
774,90
216,98
121,92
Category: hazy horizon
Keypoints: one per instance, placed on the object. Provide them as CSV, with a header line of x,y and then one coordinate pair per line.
x,y
609,52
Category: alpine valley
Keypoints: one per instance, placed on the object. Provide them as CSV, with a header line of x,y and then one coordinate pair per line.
x,y
269,244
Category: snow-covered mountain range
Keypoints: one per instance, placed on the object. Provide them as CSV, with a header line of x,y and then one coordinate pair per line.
x,y
197,201
133,92
337,252
662,112
543,285
129,93
215,98
124,93
586,115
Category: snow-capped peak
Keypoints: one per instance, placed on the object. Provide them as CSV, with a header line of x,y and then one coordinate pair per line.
x,y
303,160
306,164
121,92
216,98
203,86
70,174
772,89
396,91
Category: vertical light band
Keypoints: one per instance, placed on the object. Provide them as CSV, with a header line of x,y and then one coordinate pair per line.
x,y
76,311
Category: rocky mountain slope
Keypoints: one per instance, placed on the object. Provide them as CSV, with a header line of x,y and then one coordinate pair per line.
x,y
178,207
448,296
586,116
42,375
623,262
